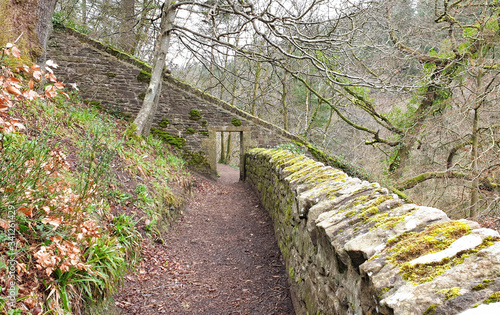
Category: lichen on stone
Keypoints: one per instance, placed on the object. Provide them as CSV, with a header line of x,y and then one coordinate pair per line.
x,y
451,293
387,221
494,298
431,309
434,238
423,272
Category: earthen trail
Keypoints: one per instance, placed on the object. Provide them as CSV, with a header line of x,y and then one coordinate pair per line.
x,y
220,258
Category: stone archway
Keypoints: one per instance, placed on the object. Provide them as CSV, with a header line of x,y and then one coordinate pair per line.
x,y
210,146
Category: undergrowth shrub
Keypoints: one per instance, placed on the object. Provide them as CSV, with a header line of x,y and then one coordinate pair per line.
x,y
58,175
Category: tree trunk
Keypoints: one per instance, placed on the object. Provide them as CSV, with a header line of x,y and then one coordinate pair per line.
x,y
255,90
144,118
83,7
44,25
228,149
126,40
31,22
398,165
222,149
284,105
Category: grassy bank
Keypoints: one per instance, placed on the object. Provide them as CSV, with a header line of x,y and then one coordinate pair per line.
x,y
77,194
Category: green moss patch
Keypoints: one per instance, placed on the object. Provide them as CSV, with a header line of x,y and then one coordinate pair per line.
x,y
451,293
141,96
111,74
144,77
420,273
495,297
164,123
168,138
194,114
431,309
384,220
236,122
190,131
197,161
434,238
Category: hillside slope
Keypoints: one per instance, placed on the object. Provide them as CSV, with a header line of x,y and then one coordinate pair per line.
x,y
77,194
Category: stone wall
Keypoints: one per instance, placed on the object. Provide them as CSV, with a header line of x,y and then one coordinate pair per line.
x,y
117,82
352,247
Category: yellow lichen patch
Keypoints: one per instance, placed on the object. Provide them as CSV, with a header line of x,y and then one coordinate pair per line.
x,y
451,293
420,273
372,208
434,238
384,220
294,160
301,174
495,297
351,213
300,166
278,157
378,201
368,212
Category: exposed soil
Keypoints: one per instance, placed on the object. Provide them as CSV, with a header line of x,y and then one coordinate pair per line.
x,y
219,258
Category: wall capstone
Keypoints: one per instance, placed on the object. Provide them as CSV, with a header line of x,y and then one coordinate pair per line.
x,y
351,247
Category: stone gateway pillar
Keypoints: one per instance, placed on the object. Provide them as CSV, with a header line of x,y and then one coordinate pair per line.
x,y
209,145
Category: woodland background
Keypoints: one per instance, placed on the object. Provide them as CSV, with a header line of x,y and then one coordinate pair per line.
x,y
404,88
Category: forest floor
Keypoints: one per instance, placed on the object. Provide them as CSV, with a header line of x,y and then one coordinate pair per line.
x,y
220,257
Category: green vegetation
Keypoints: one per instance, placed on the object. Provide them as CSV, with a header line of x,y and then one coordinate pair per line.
x,y
450,294
164,123
434,238
494,298
481,286
236,122
190,131
111,74
431,309
292,147
144,77
60,176
168,138
194,114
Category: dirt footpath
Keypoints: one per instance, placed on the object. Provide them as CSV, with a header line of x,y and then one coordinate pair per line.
x,y
219,258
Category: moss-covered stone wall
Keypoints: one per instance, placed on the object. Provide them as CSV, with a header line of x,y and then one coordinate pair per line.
x,y
118,82
352,247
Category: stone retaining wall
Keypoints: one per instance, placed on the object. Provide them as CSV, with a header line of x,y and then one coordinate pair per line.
x,y
351,247
117,82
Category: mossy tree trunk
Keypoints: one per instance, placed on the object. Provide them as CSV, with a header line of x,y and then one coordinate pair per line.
x,y
30,22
